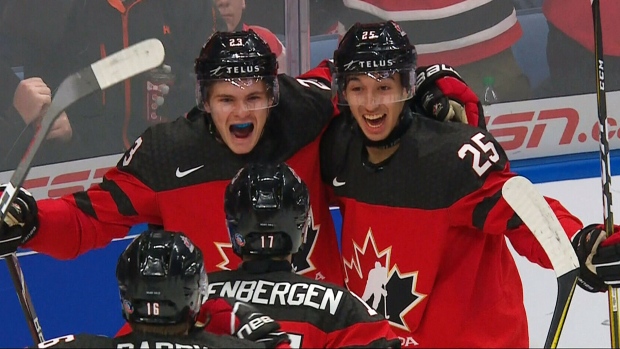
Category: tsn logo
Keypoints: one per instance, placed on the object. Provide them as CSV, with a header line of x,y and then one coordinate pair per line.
x,y
57,185
529,130
55,180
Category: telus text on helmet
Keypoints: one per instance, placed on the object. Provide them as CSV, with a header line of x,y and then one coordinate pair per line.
x,y
380,63
279,293
221,70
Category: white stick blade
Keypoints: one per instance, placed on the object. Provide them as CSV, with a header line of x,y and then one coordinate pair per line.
x,y
135,59
537,215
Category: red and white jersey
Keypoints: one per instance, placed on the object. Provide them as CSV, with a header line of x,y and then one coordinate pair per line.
x,y
574,18
454,32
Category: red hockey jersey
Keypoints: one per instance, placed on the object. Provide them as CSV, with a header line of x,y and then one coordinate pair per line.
x,y
176,173
424,234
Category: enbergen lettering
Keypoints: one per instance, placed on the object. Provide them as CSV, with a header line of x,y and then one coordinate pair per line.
x,y
279,293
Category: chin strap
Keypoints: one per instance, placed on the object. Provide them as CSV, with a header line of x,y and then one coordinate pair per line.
x,y
393,138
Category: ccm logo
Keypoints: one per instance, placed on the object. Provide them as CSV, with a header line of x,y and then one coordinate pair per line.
x,y
525,130
66,183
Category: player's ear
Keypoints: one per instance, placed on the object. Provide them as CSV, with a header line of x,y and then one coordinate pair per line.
x,y
207,107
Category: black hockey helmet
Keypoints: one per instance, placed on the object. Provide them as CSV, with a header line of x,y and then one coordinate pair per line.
x,y
266,208
378,50
161,279
241,58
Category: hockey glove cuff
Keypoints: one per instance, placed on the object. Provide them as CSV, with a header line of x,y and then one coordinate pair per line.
x,y
443,95
21,222
599,258
232,317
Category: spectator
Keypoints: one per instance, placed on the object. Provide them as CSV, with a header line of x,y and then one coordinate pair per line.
x,y
232,12
570,47
473,36
63,36
22,105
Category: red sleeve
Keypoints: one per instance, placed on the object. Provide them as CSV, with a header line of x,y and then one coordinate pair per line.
x,y
499,218
526,244
79,222
322,71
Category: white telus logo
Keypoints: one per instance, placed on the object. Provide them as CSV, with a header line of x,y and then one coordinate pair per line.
x,y
380,63
221,70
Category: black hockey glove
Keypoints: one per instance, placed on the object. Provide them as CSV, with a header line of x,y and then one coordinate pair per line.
x,y
443,95
232,317
599,258
20,224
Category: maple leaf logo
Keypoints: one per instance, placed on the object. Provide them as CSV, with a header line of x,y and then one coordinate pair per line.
x,y
227,253
302,260
385,288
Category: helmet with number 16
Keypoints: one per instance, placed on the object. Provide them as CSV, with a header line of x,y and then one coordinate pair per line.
x,y
161,279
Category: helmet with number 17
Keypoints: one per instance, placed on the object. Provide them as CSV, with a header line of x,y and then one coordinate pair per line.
x,y
161,279
378,51
266,207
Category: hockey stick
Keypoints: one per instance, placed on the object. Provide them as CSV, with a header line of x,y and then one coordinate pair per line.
x,y
608,215
98,76
535,212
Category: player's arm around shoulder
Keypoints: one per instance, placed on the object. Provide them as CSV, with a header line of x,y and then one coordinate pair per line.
x,y
360,326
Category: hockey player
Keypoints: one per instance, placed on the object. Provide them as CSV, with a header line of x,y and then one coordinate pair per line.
x,y
267,208
246,112
423,199
162,283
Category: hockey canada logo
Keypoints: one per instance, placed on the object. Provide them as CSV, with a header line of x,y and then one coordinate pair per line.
x,y
302,261
387,289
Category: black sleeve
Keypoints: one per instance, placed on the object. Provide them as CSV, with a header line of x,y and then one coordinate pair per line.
x,y
335,145
304,109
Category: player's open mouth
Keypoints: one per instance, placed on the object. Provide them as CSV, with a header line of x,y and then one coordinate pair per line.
x,y
242,130
374,120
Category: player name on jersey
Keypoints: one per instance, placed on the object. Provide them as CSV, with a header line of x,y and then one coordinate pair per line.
x,y
279,293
